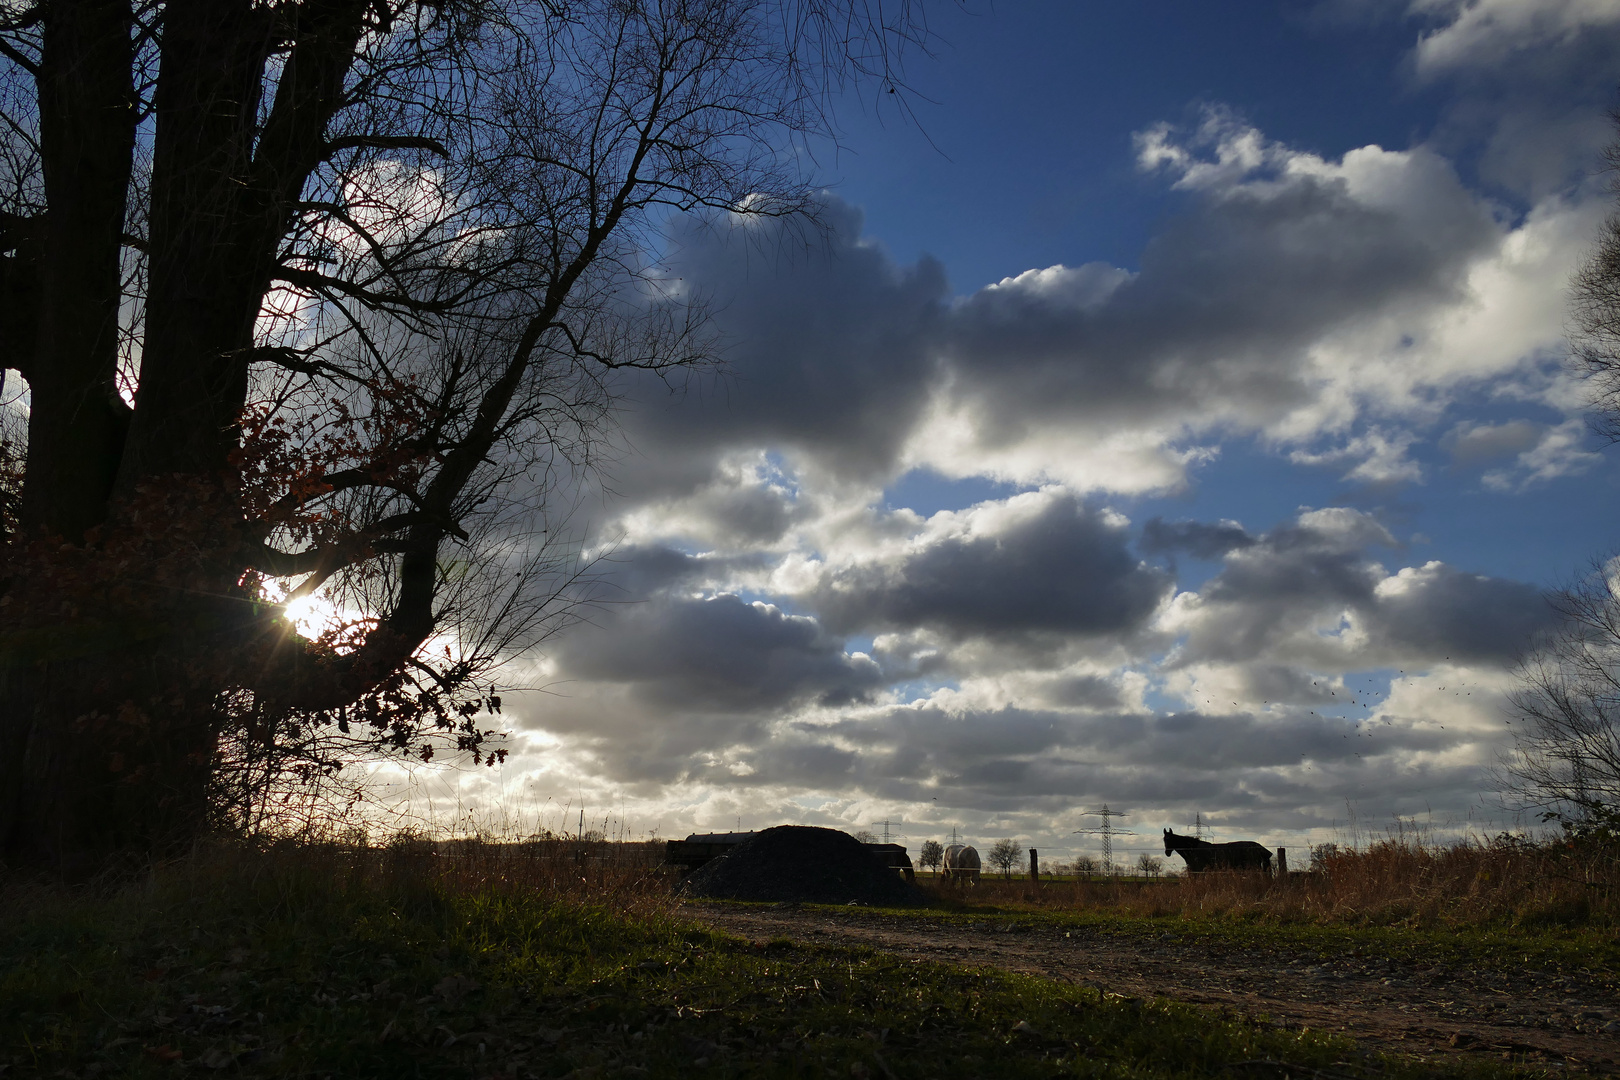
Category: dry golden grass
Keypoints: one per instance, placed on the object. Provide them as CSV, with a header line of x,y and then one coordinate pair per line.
x,y
1405,879
556,866
626,878
1402,880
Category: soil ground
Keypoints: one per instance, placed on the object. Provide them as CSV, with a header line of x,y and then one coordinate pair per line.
x,y
1382,1003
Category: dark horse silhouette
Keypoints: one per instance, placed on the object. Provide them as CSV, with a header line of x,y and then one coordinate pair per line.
x,y
1203,855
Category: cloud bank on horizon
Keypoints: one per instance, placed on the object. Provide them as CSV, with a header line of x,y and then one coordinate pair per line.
x,y
925,555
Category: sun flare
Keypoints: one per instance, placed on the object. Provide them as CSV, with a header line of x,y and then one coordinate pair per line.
x,y
311,616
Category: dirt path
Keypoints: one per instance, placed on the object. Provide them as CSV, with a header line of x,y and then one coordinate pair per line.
x,y
1382,1003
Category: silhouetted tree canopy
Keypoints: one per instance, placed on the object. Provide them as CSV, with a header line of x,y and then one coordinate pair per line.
x,y
327,297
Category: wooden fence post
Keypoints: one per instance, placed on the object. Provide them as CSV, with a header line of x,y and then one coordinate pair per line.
x,y
1282,863
1034,866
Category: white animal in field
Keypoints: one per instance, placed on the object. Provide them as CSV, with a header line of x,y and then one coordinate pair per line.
x,y
961,863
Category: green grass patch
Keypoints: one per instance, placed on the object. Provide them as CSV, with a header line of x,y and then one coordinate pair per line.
x,y
1595,950
289,967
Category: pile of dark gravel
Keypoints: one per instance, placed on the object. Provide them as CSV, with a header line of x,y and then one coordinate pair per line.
x,y
802,864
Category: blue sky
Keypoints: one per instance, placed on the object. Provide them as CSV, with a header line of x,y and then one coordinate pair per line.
x,y
1181,372
1021,154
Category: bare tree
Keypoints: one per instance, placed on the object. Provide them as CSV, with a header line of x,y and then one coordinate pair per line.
x,y
1565,763
328,298
1006,854
931,855
1149,866
1595,306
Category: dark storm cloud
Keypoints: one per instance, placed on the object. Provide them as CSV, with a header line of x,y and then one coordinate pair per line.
x,y
718,654
1472,618
1535,79
1081,692
750,515
1024,760
1065,570
1322,560
638,571
1281,586
837,356
1470,444
1266,683
1280,593
1200,540
1280,767
830,348
632,573
1229,296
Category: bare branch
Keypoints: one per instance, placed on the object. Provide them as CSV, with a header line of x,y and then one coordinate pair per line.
x,y
383,142
18,57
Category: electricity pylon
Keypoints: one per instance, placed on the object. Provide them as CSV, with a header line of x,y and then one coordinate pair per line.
x,y
896,833
1107,832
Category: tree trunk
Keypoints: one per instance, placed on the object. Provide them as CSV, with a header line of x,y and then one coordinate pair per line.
x,y
205,284
108,710
95,774
87,140
224,187
77,421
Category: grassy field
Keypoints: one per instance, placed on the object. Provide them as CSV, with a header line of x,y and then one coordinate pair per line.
x,y
1507,902
327,961
1591,952
1402,880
